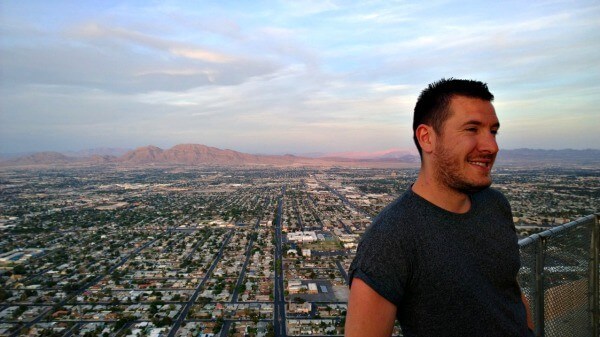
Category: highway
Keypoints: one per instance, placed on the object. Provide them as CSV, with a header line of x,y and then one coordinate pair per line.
x,y
279,301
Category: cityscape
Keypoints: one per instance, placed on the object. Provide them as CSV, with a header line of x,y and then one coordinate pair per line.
x,y
167,250
208,168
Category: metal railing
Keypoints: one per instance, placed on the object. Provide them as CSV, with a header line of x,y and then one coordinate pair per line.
x,y
560,278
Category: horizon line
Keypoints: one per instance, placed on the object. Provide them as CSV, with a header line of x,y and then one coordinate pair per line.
x,y
412,151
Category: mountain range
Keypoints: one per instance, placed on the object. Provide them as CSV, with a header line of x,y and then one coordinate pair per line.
x,y
196,154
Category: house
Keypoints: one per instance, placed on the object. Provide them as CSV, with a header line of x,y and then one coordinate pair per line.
x,y
299,308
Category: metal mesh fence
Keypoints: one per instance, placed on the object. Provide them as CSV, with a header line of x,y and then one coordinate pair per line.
x,y
527,276
556,279
566,283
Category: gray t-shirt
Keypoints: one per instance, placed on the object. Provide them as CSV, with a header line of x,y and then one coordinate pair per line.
x,y
448,274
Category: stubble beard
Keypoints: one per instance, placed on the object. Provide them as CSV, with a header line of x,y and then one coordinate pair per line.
x,y
449,172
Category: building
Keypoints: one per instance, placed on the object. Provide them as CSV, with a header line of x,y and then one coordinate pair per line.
x,y
302,237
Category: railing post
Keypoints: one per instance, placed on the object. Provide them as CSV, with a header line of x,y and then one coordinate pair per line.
x,y
539,286
594,278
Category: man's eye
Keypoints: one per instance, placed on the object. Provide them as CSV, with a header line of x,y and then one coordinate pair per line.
x,y
494,132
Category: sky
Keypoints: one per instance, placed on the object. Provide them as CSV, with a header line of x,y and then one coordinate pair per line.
x,y
298,77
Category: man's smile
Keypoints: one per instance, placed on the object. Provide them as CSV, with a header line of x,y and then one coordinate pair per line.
x,y
480,163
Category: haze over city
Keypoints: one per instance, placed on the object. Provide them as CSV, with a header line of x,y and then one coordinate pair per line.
x,y
287,76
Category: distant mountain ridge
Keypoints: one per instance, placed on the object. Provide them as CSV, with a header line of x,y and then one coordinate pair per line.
x,y
184,154
102,151
41,158
197,154
201,154
566,157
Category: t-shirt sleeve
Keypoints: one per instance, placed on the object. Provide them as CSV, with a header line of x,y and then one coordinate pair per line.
x,y
504,207
381,263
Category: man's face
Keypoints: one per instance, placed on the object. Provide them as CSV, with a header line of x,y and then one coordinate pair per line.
x,y
466,148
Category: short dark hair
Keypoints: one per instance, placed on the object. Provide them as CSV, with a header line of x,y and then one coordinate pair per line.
x,y
433,105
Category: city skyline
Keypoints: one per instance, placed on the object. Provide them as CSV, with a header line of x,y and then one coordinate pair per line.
x,y
288,77
260,252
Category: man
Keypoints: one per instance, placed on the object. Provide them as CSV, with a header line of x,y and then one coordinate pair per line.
x,y
443,258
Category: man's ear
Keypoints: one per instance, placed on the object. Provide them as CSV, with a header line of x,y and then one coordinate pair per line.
x,y
426,137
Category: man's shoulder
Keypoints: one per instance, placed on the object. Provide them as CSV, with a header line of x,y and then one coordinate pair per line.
x,y
491,195
395,215
399,207
491,202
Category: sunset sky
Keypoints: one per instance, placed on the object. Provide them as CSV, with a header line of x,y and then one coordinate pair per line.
x,y
289,76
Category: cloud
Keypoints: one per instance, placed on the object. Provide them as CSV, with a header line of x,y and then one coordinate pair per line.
x,y
119,60
200,54
94,30
289,75
291,99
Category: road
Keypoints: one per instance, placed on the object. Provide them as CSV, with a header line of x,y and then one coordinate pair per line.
x,y
279,301
342,271
243,272
192,300
227,323
345,200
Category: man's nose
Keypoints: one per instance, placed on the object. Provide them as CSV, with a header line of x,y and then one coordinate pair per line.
x,y
487,143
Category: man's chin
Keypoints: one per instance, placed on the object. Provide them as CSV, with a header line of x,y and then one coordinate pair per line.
x,y
474,188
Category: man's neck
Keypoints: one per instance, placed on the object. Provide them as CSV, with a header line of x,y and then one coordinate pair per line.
x,y
442,196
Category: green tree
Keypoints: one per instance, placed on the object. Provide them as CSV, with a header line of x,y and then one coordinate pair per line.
x,y
270,330
218,325
122,321
299,300
20,270
162,321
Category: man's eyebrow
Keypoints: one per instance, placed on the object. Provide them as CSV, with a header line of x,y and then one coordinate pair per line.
x,y
477,122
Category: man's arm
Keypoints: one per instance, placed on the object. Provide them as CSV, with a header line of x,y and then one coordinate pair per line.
x,y
369,314
528,315
528,312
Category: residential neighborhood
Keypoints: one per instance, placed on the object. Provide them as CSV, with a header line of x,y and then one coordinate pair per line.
x,y
213,251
